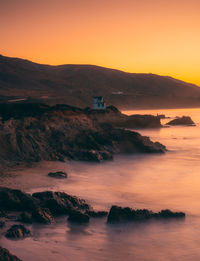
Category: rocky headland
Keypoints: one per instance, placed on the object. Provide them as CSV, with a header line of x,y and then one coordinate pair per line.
x,y
32,132
117,119
35,132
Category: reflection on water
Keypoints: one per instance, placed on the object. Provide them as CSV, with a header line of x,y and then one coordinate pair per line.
x,y
155,182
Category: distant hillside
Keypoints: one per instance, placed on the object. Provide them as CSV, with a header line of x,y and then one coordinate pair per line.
x,y
76,84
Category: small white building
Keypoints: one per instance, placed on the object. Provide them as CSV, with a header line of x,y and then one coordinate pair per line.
x,y
99,103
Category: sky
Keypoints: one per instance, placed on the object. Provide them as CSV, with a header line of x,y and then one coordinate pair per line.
x,y
140,36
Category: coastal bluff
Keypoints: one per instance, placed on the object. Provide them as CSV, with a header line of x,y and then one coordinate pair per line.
x,y
34,132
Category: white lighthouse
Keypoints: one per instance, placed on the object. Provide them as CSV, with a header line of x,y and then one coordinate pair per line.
x,y
99,103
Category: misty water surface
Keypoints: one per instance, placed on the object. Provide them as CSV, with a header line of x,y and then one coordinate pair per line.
x,y
156,182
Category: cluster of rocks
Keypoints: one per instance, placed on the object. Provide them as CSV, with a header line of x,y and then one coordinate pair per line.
x,y
40,207
44,207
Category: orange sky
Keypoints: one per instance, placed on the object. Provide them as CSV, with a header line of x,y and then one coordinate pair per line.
x,y
157,36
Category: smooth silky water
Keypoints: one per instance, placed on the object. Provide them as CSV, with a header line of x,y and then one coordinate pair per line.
x,y
156,182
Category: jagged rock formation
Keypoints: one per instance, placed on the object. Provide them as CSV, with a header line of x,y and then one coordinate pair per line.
x,y
34,132
17,232
118,214
40,207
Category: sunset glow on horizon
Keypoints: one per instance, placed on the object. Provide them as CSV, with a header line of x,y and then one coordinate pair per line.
x,y
146,36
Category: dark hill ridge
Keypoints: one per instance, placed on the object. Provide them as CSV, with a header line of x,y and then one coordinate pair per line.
x,y
76,84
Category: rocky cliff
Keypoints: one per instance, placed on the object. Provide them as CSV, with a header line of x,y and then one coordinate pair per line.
x,y
34,132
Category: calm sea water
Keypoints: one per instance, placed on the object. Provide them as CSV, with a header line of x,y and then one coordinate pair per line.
x,y
155,182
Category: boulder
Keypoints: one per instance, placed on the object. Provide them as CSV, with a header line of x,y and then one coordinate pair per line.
x,y
5,255
58,175
16,200
60,203
119,214
185,120
17,232
78,217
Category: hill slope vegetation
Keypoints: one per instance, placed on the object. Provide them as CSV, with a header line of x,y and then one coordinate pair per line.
x,y
76,84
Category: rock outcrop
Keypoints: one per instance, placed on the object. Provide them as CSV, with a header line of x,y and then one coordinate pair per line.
x,y
117,119
17,232
16,200
184,120
118,214
58,175
60,203
35,132
45,206
41,207
5,255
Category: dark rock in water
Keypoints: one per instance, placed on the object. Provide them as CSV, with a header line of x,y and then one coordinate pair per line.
x,y
26,217
58,175
2,223
40,207
60,203
185,120
5,255
42,215
169,214
118,214
78,217
16,200
53,202
17,232
97,214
